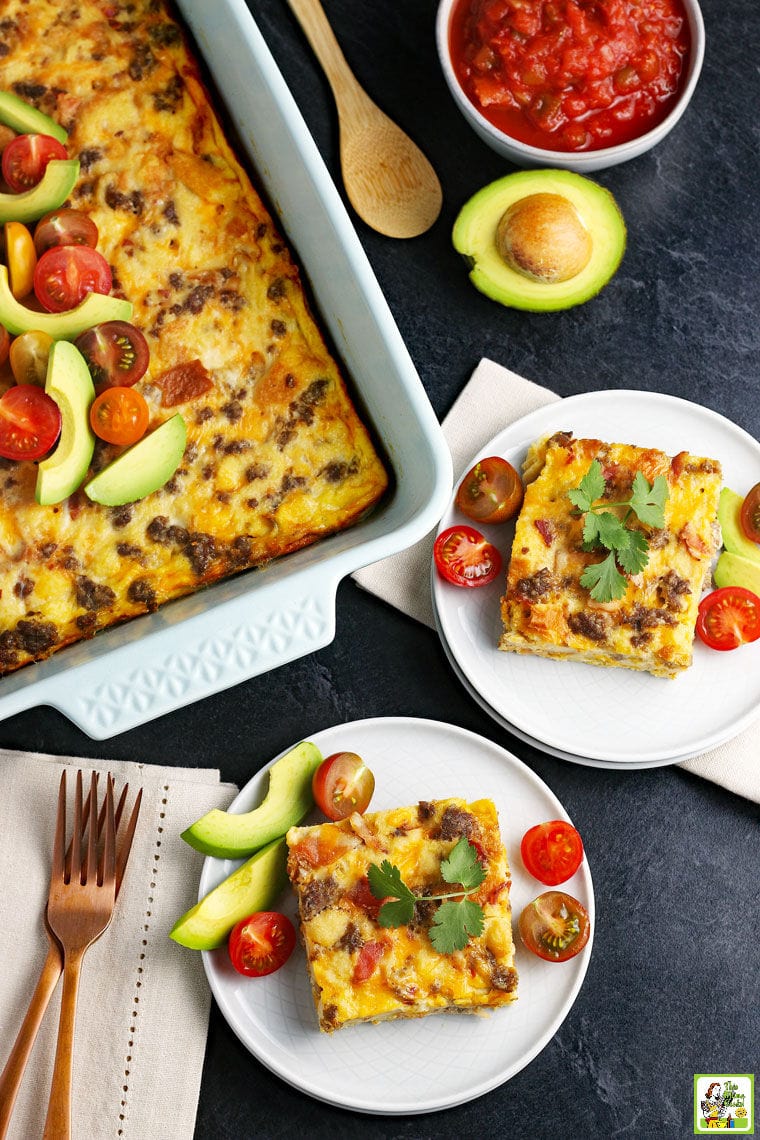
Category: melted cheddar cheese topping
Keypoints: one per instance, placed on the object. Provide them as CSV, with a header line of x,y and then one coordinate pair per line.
x,y
277,456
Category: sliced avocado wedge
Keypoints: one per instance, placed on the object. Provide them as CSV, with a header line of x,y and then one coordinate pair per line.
x,y
254,886
735,570
289,798
69,383
541,240
27,120
50,192
145,467
95,309
734,538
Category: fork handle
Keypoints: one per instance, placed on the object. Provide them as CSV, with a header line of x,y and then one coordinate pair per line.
x,y
10,1078
58,1121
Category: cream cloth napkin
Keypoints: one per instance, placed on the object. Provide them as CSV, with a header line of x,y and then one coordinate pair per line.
x,y
493,398
142,1013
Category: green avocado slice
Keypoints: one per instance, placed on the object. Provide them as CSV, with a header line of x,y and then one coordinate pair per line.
x,y
143,468
254,886
289,798
26,119
475,237
50,192
69,383
734,538
735,570
96,308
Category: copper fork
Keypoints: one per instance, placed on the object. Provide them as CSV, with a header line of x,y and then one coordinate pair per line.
x,y
11,1076
80,906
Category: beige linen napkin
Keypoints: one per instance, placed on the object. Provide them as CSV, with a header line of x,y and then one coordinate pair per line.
x,y
493,398
142,1014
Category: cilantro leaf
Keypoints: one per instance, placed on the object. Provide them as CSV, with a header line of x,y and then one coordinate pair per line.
x,y
604,580
385,882
453,923
590,488
649,502
463,866
611,531
633,556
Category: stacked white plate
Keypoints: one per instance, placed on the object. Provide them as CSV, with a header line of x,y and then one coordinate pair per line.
x,y
612,718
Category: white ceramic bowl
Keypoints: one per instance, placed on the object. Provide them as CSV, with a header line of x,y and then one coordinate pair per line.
x,y
580,161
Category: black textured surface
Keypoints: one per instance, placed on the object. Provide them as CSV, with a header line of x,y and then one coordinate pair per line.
x,y
672,988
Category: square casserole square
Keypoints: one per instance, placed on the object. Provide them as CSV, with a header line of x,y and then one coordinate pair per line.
x,y
547,612
361,971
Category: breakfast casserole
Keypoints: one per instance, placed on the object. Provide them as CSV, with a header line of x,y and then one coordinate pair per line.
x,y
362,970
549,612
276,454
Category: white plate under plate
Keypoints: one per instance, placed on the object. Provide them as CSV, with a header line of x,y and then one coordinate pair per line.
x,y
613,715
429,1063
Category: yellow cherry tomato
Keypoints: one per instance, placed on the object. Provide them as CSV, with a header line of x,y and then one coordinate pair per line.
x,y
21,259
29,357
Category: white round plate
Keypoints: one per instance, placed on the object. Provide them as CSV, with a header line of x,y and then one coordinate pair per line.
x,y
615,715
429,1063
518,732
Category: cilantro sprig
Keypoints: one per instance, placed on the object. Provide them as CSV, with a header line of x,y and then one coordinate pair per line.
x,y
628,548
454,921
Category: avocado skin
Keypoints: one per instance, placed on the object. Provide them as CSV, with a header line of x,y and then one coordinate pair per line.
x,y
735,570
25,119
254,886
734,538
289,798
474,237
50,192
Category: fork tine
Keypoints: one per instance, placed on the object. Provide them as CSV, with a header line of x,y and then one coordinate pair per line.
x,y
91,867
126,842
59,843
75,866
109,846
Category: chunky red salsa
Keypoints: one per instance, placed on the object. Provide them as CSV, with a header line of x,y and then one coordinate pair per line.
x,y
570,75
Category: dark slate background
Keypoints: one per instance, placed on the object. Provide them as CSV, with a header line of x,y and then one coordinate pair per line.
x,y
672,988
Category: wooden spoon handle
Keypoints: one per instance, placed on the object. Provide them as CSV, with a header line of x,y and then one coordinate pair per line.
x,y
58,1121
10,1078
345,87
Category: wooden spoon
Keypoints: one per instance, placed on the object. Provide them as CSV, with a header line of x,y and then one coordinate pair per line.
x,y
389,182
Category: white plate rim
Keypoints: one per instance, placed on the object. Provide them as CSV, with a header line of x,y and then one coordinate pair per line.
x,y
511,439
214,870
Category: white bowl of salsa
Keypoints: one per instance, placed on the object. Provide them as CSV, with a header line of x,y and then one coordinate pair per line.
x,y
571,83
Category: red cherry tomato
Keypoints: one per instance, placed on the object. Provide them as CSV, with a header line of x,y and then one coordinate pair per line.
x,y
30,422
465,558
491,492
555,926
750,514
25,158
342,784
65,275
261,943
729,617
552,852
116,352
119,415
64,227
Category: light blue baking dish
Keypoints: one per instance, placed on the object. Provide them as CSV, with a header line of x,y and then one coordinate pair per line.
x,y
262,619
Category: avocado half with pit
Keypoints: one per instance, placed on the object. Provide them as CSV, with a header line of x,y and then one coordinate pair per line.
x,y
541,240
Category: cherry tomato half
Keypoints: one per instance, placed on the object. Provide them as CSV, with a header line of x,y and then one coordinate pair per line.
x,y
491,491
729,617
552,852
116,352
750,514
30,422
119,415
465,558
25,158
342,784
64,227
65,275
20,257
555,926
29,354
261,943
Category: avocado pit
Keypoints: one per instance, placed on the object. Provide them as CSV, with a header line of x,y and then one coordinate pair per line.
x,y
542,237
